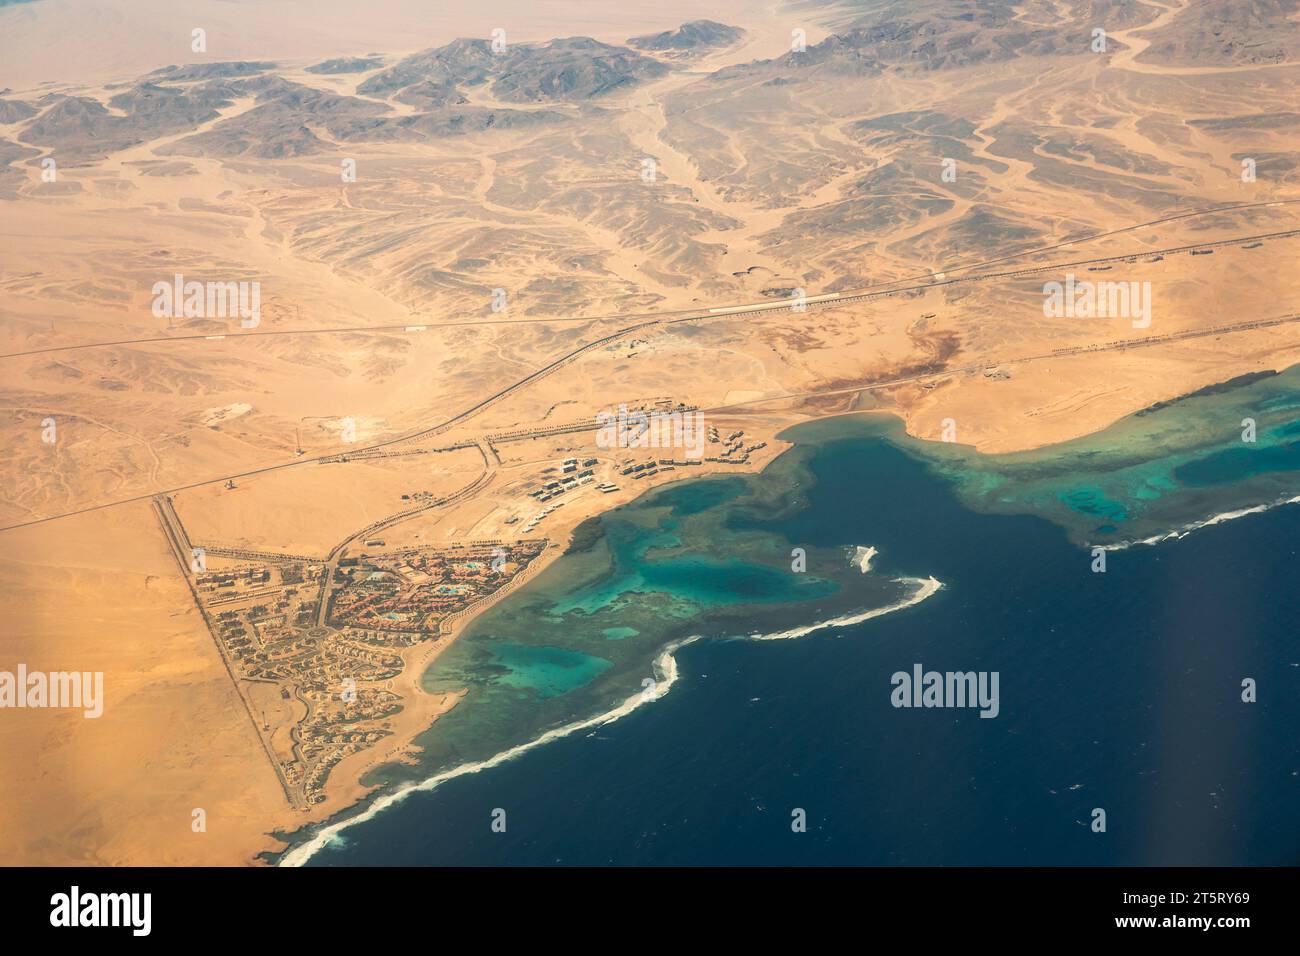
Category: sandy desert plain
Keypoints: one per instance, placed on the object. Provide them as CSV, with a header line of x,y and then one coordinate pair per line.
x,y
533,236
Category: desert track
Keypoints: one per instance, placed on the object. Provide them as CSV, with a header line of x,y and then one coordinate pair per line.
x,y
852,295
868,385
661,319
1065,352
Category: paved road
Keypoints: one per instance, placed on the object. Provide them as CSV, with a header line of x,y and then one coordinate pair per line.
x,y
696,315
738,309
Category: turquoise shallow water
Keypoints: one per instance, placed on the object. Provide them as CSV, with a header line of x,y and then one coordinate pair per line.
x,y
692,558
1156,471
1119,689
547,671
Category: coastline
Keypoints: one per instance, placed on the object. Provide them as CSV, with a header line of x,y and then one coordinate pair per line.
x,y
921,312
666,675
420,708
346,790
355,794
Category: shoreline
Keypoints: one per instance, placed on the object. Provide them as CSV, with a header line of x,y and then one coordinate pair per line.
x,y
664,666
415,720
352,794
345,790
769,285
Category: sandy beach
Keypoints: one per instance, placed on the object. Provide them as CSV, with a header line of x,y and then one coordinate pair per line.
x,y
739,231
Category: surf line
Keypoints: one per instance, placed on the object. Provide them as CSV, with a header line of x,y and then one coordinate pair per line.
x,y
1210,522
925,587
666,673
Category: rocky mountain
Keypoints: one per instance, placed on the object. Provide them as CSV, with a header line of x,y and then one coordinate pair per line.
x,y
873,36
275,128
1244,32
15,111
565,70
696,36
82,129
459,63
347,64
571,69
212,71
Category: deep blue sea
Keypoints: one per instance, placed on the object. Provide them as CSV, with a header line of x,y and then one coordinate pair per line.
x,y
1119,690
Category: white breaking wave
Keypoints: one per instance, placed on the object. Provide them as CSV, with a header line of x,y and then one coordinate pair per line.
x,y
1187,529
665,671
924,588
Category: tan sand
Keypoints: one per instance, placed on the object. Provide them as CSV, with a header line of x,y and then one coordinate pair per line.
x,y
761,187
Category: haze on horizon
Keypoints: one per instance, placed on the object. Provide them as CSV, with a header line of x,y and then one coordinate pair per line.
x,y
465,247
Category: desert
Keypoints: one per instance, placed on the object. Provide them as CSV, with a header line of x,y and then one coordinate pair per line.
x,y
466,254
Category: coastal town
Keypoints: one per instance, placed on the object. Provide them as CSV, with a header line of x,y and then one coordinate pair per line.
x,y
315,645
325,648
344,345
